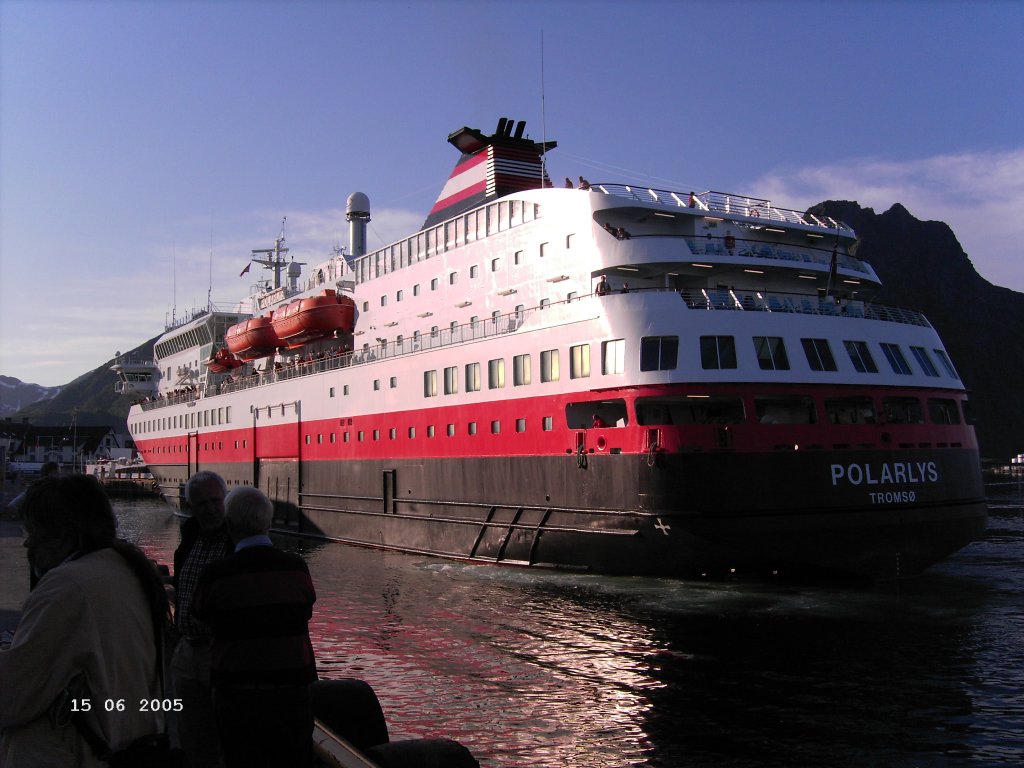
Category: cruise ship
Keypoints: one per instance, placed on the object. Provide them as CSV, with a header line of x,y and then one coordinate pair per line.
x,y
597,377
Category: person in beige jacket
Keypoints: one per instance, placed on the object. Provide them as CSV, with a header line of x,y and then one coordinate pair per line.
x,y
86,644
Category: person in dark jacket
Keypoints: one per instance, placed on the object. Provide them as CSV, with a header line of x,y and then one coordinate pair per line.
x,y
258,603
204,539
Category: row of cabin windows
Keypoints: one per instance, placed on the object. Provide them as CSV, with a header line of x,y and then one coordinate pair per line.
x,y
546,423
209,417
720,352
475,225
797,409
474,273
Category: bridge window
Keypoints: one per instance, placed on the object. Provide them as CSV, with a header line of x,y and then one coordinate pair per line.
x,y
921,354
860,356
819,354
717,352
549,365
613,356
946,363
579,361
897,361
585,415
659,353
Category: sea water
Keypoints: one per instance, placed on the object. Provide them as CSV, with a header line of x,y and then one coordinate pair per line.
x,y
531,668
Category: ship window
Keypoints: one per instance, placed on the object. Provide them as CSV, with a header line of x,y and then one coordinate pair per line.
x,y
659,353
613,356
496,373
545,303
416,290
430,430
433,330
942,411
451,380
568,242
791,409
399,295
690,410
520,425
433,284
347,437
344,390
451,430
902,410
392,433
965,404
412,432
860,356
517,258
584,415
521,370
717,352
549,365
319,438
579,361
376,434
502,216
492,219
925,361
430,383
543,249
474,271
495,427
383,301
946,363
366,306
453,278
495,264
771,353
850,410
894,355
471,428
334,437
473,377
819,355
393,382
308,437
376,385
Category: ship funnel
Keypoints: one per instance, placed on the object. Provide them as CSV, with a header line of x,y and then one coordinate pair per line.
x,y
490,167
357,213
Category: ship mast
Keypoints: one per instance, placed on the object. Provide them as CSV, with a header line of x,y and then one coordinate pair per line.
x,y
274,260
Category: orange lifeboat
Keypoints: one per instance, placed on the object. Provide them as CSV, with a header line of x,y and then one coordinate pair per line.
x,y
222,361
252,338
312,318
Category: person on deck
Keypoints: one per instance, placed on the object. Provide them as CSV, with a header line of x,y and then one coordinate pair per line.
x,y
258,603
89,634
204,539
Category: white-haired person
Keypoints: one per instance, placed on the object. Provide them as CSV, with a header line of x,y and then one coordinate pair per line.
x,y
258,602
204,539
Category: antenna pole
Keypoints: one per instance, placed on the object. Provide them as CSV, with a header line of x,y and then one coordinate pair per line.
x,y
543,116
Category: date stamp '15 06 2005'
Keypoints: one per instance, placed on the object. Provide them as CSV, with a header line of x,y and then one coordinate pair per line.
x,y
120,705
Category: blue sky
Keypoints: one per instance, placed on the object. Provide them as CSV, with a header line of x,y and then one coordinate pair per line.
x,y
137,139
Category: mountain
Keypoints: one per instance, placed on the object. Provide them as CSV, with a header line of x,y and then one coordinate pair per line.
x,y
922,266
90,397
16,394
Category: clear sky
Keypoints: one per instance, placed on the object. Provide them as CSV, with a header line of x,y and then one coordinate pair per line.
x,y
146,147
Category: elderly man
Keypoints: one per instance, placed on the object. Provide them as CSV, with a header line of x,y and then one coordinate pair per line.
x,y
259,602
204,539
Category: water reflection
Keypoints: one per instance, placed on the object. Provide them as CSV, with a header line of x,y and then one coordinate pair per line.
x,y
545,669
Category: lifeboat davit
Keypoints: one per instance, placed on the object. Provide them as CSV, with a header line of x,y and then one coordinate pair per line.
x,y
222,361
252,338
314,317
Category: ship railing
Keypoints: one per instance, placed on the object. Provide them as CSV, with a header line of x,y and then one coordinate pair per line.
x,y
695,299
759,249
725,203
801,304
